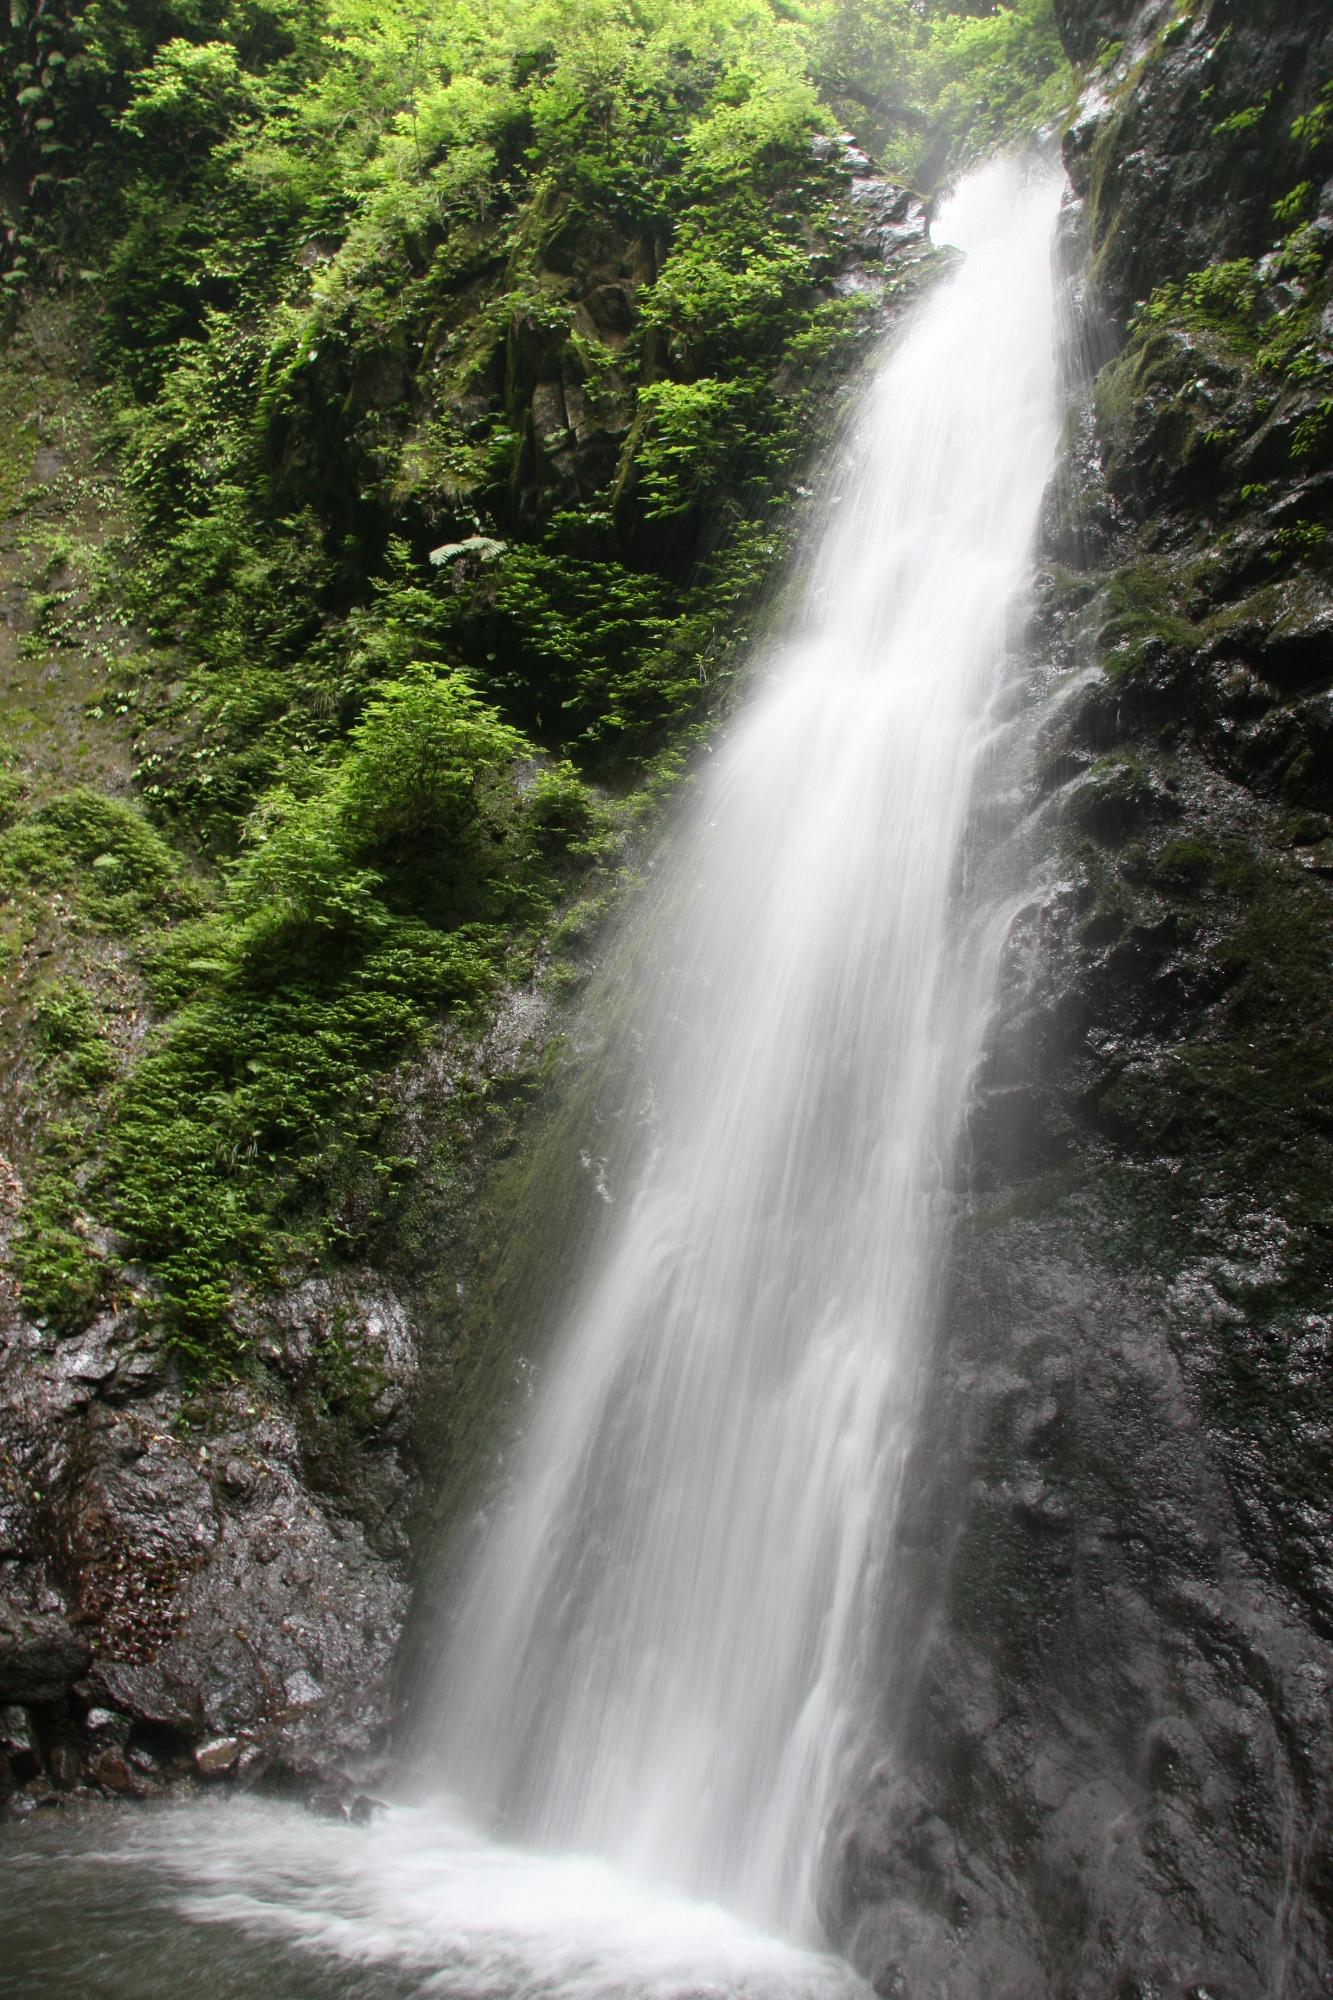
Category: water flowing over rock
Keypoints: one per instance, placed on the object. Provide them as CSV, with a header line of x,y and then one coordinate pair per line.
x,y
1113,1775
660,1658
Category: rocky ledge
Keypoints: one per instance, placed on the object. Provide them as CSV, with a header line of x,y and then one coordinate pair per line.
x,y
198,1586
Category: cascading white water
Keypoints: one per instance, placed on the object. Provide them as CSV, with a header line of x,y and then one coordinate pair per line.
x,y
657,1659
656,1670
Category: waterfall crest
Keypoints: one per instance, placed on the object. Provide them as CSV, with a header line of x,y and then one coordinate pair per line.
x,y
658,1657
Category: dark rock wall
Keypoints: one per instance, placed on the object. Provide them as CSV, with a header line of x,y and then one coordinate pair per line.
x,y
1104,1762
1184,140
193,1584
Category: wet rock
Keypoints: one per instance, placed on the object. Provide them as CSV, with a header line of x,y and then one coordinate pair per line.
x,y
1184,139
1088,25
18,1740
239,1479
40,1655
217,1756
1104,1762
285,1629
216,1595
64,1766
109,1770
1092,1780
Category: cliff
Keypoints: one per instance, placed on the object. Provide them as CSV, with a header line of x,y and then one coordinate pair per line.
x,y
1115,1773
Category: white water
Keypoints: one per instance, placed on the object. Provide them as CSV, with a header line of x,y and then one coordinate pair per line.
x,y
658,1659
656,1674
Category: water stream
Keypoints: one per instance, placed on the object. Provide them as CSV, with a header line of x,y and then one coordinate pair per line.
x,y
658,1657
652,1679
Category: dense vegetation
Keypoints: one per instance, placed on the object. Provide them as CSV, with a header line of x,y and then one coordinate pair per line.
x,y
460,364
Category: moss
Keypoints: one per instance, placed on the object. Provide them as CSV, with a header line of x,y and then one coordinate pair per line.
x,y
61,1275
1185,863
73,1045
119,870
575,300
1138,616
341,1410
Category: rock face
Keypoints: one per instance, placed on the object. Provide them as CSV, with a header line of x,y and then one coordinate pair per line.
x,y
1184,139
1104,1763
208,1584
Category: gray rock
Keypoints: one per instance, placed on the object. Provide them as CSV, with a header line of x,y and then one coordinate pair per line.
x,y
1104,1761
215,1592
105,1725
1176,184
63,1765
18,1738
40,1656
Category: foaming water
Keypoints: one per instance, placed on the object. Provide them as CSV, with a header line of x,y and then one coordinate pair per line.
x,y
279,1901
425,1890
652,1682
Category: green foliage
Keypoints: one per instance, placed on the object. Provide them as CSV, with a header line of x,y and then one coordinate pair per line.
x,y
1295,206
427,758
318,970
334,249
286,1084
692,440
616,660
996,77
60,1273
935,87
188,95
1268,317
1313,430
1245,119
73,1048
1224,297
119,870
1298,538
1315,128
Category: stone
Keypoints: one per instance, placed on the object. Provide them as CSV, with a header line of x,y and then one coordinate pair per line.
x,y
111,1771
105,1725
18,1739
1108,1662
216,1757
63,1764
302,1689
40,1655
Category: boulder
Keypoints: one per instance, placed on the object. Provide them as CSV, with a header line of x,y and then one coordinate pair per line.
x,y
41,1656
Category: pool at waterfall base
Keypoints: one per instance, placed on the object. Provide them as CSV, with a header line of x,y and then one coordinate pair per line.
x,y
217,1899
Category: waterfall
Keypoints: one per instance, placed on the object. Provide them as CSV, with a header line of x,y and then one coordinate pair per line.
x,y
644,1709
659,1656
